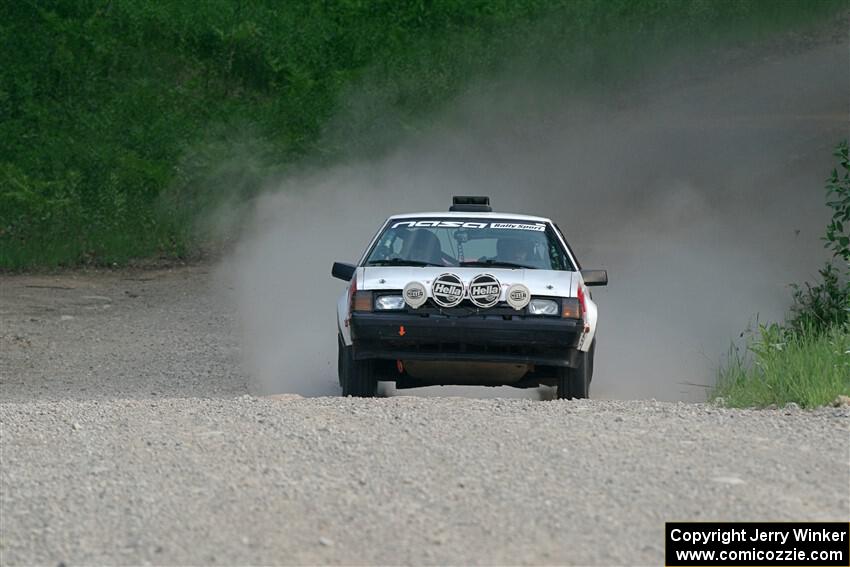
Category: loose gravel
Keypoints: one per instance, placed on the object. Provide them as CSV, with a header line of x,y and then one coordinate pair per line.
x,y
108,334
128,436
400,480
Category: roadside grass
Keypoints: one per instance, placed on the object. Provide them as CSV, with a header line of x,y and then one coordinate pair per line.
x,y
780,365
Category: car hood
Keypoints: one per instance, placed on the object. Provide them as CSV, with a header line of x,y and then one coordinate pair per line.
x,y
538,282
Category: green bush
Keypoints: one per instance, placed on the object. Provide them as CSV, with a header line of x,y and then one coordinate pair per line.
x,y
824,305
780,365
838,191
827,304
807,360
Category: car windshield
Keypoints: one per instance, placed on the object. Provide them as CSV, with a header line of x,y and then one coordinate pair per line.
x,y
453,242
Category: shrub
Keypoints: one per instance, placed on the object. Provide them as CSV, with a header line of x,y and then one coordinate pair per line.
x,y
838,192
807,360
807,366
826,304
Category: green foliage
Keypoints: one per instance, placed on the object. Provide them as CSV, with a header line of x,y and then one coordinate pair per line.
x,y
827,303
807,360
838,191
823,305
780,365
120,120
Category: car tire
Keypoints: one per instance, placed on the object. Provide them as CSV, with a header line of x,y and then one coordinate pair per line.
x,y
340,356
574,383
356,377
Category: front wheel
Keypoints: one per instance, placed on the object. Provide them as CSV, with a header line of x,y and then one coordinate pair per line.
x,y
574,383
357,377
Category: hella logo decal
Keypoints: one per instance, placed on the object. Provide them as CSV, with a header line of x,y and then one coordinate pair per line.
x,y
518,296
414,294
484,290
447,290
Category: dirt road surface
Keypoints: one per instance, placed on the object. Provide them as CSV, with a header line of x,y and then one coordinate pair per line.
x,y
129,436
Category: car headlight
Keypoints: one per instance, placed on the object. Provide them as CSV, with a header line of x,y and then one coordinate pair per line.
x,y
543,307
389,303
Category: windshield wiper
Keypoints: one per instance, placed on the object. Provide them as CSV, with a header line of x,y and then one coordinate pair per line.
x,y
400,262
497,264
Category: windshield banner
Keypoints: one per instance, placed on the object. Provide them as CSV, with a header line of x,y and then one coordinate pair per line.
x,y
539,227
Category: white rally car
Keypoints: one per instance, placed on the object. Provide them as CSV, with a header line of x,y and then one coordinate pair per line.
x,y
467,297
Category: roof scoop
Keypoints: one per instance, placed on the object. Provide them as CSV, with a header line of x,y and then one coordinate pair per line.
x,y
470,204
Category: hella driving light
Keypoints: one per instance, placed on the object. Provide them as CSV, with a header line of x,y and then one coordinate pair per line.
x,y
543,307
389,303
414,294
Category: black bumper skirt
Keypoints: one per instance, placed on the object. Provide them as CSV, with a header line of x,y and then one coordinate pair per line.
x,y
480,338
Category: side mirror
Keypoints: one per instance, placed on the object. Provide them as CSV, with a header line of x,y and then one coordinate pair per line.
x,y
595,277
343,271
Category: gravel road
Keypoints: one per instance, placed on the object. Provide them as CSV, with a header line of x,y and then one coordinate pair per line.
x,y
129,436
127,334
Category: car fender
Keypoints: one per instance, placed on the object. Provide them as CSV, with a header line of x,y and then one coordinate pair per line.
x,y
590,315
590,323
343,307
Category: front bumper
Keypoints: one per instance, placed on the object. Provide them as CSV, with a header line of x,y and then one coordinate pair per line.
x,y
479,338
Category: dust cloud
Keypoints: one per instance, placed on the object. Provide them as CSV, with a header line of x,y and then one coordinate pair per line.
x,y
703,197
